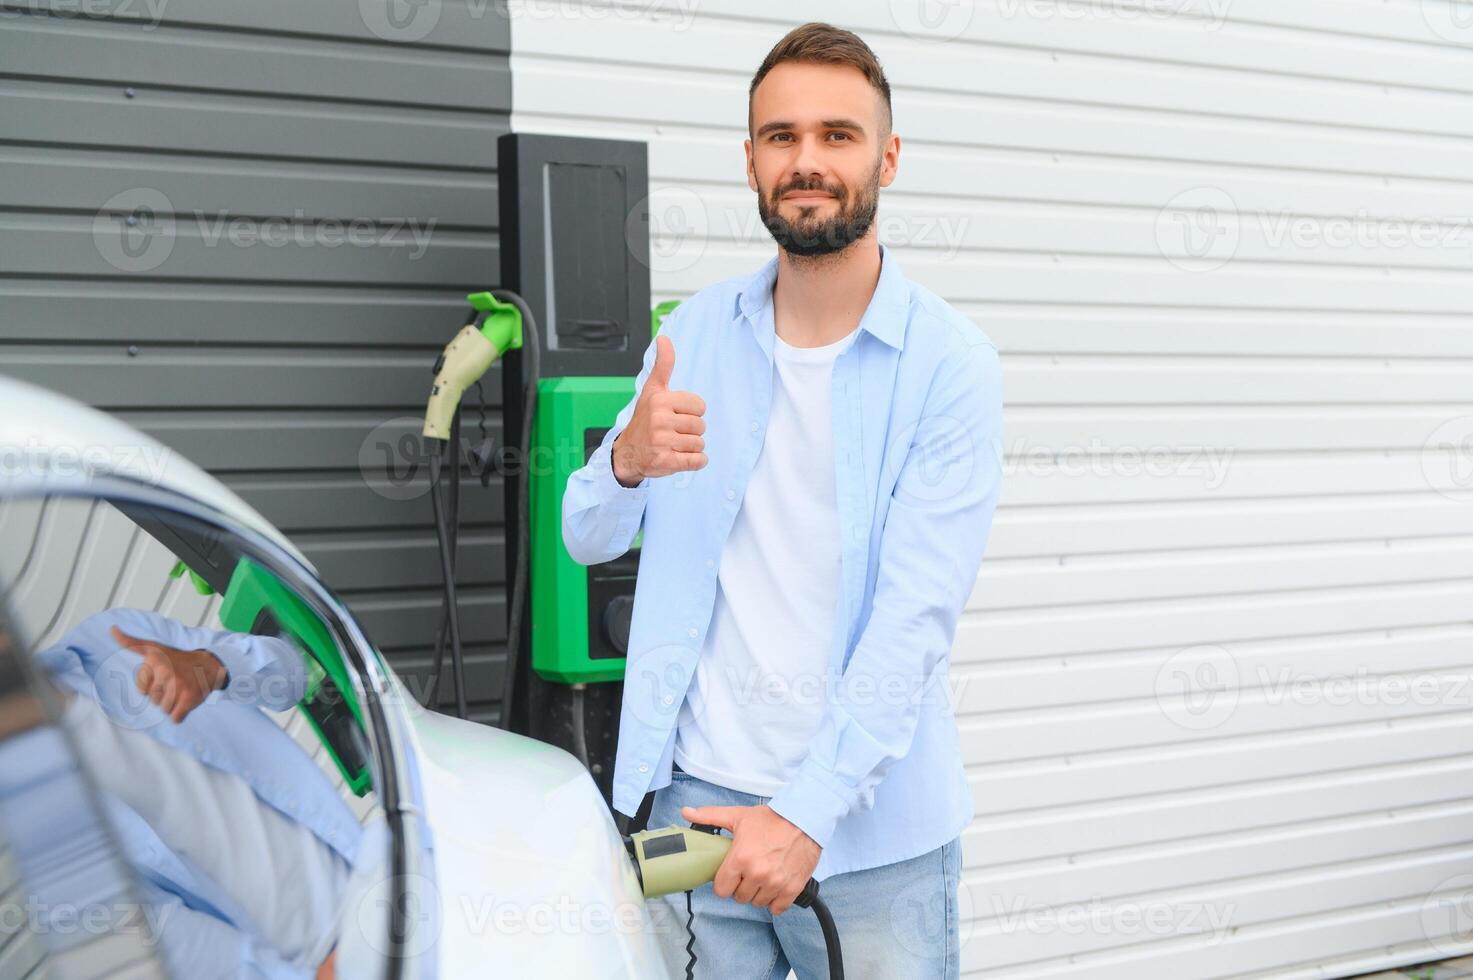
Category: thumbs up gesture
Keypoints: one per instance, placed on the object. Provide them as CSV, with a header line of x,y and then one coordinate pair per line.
x,y
664,435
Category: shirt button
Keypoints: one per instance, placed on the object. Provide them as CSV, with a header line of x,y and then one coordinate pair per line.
x,y
754,426
731,495
668,699
692,631
710,563
643,767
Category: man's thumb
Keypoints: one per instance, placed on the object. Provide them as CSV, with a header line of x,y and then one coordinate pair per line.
x,y
664,363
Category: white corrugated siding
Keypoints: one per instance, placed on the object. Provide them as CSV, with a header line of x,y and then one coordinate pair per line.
x,y
1229,481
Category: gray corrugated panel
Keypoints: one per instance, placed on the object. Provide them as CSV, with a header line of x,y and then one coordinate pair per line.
x,y
246,125
140,311
224,246
250,441
404,559
300,501
409,620
474,25
290,67
118,376
79,180
359,173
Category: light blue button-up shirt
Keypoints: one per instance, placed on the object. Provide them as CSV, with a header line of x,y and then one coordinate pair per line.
x,y
917,419
227,732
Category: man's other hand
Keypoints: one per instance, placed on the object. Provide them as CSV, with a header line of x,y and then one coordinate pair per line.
x,y
178,681
770,859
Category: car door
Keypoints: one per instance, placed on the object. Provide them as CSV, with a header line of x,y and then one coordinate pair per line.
x,y
271,826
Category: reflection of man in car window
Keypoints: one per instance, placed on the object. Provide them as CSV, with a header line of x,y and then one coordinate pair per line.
x,y
221,813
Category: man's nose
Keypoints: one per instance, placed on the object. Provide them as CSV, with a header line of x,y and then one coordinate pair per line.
x,y
808,170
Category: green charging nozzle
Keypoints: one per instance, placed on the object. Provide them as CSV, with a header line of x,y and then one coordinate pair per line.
x,y
495,328
676,859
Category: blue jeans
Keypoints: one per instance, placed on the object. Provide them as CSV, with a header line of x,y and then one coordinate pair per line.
x,y
896,922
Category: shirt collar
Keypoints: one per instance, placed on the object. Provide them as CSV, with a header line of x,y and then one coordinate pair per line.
x,y
885,317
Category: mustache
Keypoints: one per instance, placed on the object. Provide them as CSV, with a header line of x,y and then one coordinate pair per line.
x,y
837,192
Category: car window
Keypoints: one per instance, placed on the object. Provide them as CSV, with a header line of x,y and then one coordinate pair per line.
x,y
210,707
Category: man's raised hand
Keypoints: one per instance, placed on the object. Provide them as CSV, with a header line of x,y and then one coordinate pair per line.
x,y
664,435
178,681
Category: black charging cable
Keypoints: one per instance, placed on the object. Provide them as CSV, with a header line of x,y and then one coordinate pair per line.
x,y
807,898
447,531
531,376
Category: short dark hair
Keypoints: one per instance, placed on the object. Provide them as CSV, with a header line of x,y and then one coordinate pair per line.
x,y
818,43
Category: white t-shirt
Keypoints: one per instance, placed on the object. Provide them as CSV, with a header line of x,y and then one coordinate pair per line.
x,y
758,693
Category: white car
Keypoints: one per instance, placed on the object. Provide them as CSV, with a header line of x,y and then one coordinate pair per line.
x,y
495,854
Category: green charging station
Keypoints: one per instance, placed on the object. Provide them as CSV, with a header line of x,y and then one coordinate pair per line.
x,y
580,614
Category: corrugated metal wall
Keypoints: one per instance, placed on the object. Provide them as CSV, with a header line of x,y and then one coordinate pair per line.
x,y
1233,522
311,189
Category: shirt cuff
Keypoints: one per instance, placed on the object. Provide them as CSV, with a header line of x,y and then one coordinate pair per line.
x,y
813,801
627,502
260,669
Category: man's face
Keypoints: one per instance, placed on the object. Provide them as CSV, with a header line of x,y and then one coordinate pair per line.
x,y
818,159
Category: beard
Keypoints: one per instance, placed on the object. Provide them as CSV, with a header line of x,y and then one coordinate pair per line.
x,y
810,235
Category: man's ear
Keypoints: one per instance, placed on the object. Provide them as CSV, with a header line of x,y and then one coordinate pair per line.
x,y
890,160
751,171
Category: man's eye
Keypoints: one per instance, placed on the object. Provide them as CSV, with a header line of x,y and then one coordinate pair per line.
x,y
844,135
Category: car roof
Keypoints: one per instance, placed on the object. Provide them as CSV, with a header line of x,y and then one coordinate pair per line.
x,y
47,438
